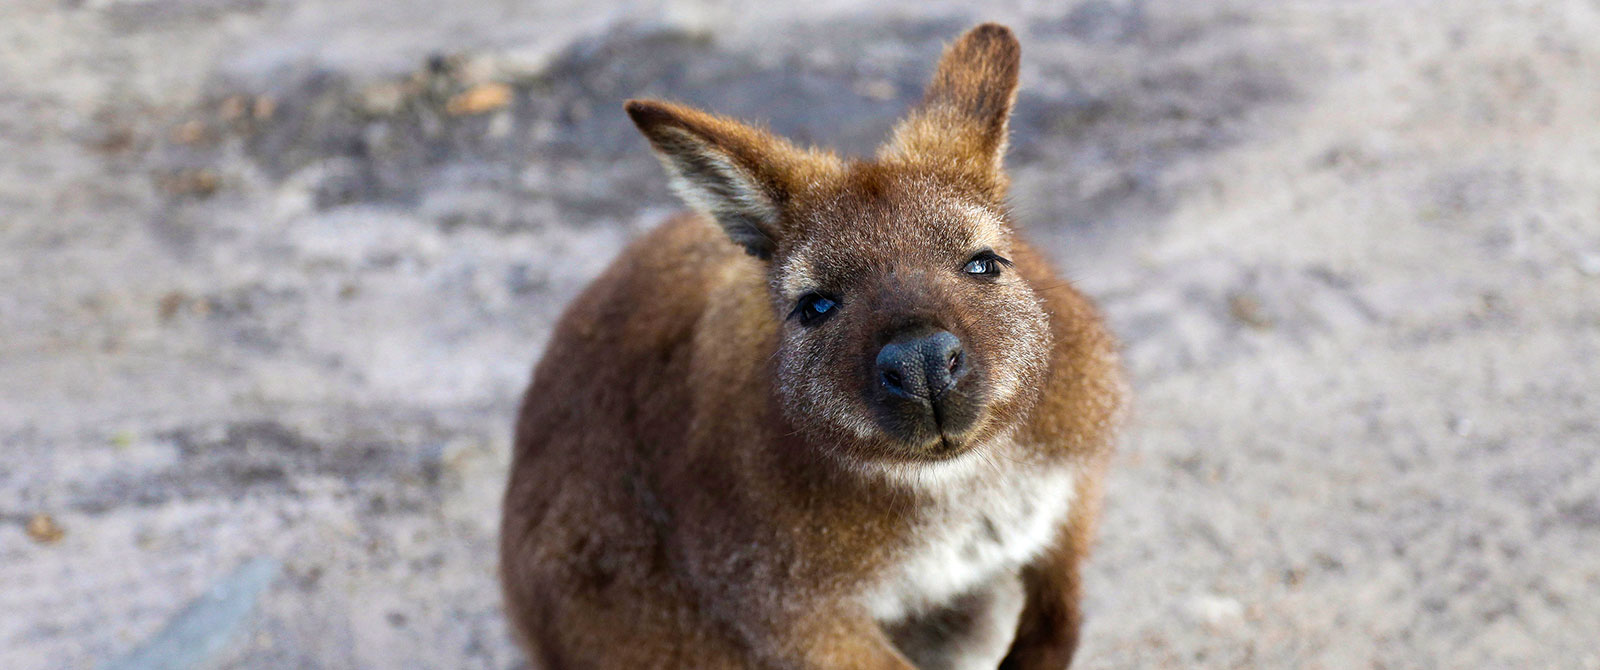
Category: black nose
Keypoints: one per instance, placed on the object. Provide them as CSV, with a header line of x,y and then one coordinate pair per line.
x,y
921,364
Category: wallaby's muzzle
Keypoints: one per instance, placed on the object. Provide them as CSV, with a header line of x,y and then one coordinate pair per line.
x,y
924,392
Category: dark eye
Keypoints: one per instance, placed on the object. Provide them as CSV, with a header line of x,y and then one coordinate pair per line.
x,y
985,264
815,307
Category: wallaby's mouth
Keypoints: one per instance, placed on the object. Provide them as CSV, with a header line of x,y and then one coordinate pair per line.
x,y
937,427
948,447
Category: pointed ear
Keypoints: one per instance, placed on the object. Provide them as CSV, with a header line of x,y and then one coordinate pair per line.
x,y
739,176
961,123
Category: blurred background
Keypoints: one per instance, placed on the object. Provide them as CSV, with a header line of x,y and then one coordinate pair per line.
x,y
273,274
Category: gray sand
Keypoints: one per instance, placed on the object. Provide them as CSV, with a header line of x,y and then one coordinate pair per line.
x,y
266,296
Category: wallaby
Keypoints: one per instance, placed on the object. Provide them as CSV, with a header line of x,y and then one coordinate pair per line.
x,y
839,416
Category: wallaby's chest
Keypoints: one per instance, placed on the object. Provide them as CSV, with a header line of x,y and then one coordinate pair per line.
x,y
967,533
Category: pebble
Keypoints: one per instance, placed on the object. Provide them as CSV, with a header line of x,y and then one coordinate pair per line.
x,y
480,99
191,133
264,108
1248,310
198,182
44,530
382,99
473,70
1589,264
878,89
233,108
525,63
500,126
1215,610
168,306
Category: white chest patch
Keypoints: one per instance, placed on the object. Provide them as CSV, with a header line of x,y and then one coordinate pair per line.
x,y
968,531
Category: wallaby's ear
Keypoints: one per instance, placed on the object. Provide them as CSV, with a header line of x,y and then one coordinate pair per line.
x,y
961,124
738,175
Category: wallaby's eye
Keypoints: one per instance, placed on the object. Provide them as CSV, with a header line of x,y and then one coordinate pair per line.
x,y
814,307
985,264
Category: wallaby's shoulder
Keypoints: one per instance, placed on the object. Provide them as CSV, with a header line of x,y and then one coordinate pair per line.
x,y
655,289
679,308
627,333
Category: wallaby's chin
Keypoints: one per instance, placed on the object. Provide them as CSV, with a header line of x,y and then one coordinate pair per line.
x,y
907,454
938,449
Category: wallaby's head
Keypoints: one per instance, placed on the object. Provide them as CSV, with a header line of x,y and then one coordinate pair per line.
x,y
906,334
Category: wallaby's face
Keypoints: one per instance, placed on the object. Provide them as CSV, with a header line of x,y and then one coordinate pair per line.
x,y
905,333
904,325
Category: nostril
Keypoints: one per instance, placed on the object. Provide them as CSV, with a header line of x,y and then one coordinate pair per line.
x,y
920,364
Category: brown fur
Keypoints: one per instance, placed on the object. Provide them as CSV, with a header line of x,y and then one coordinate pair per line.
x,y
700,481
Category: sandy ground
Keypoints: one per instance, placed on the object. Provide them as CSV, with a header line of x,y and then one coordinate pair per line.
x,y
271,289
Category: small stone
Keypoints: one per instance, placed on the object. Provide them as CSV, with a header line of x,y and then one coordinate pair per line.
x,y
383,99
1247,309
473,70
191,132
500,126
114,140
1589,264
1215,610
579,110
233,108
1491,302
480,99
877,89
168,306
524,63
439,63
43,529
264,108
204,182
197,182
1460,425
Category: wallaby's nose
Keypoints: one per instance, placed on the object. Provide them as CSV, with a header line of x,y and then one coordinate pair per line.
x,y
921,364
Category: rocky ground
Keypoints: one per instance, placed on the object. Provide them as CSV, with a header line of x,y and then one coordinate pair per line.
x,y
275,271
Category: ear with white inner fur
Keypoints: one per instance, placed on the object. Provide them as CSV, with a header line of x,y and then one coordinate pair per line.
x,y
739,176
960,127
